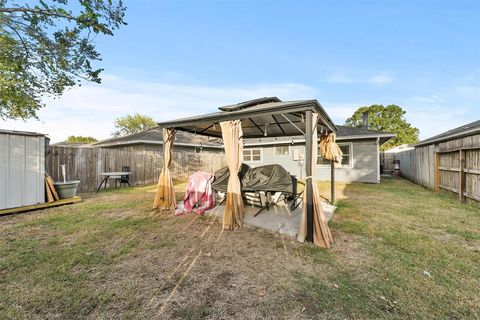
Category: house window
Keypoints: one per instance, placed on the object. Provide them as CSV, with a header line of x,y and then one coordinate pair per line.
x,y
252,155
282,150
346,158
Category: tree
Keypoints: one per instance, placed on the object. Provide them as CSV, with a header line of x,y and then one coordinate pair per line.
x,y
46,47
389,119
80,139
132,124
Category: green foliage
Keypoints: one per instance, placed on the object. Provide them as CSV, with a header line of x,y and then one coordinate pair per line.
x,y
132,124
80,139
389,119
46,48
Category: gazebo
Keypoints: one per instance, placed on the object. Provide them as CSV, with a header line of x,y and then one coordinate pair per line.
x,y
263,117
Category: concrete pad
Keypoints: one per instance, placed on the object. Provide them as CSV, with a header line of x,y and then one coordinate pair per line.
x,y
279,218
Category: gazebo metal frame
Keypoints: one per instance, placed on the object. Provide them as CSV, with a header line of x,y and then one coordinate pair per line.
x,y
267,117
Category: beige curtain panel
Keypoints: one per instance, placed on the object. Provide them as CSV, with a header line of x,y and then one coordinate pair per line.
x,y
329,149
233,143
165,196
321,232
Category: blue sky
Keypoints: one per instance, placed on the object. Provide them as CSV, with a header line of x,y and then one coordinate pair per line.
x,y
179,58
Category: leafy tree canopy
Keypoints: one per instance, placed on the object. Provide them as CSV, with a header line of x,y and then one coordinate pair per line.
x,y
47,46
132,124
80,139
389,119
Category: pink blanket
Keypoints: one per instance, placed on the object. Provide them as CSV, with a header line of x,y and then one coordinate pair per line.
x,y
198,194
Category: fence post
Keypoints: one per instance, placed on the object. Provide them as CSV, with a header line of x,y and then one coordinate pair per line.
x,y
332,182
437,171
461,185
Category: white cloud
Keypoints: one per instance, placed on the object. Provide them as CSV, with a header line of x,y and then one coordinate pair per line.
x,y
429,99
380,79
340,111
433,123
91,109
340,78
469,91
376,80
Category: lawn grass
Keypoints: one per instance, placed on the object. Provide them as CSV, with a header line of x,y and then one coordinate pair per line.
x,y
423,253
400,251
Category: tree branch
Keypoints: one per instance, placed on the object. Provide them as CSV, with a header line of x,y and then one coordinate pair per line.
x,y
49,13
21,40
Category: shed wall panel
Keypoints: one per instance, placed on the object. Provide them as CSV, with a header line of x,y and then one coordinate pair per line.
x,y
21,170
4,176
17,171
34,170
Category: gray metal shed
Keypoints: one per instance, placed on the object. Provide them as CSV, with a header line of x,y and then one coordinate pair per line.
x,y
22,168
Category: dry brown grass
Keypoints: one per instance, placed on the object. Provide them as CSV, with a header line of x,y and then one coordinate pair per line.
x,y
112,256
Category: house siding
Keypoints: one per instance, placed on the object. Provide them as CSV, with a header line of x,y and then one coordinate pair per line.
x,y
365,163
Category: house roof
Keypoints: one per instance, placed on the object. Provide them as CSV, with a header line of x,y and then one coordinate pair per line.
x,y
344,133
264,116
22,133
465,130
155,136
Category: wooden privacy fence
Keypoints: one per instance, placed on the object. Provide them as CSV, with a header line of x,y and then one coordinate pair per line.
x,y
86,164
418,165
452,165
458,171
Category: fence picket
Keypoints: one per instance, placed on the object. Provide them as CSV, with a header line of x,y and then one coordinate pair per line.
x,y
85,164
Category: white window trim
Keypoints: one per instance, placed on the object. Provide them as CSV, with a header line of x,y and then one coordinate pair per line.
x,y
281,155
255,161
350,155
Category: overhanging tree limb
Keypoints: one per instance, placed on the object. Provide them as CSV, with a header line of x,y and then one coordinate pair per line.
x,y
45,48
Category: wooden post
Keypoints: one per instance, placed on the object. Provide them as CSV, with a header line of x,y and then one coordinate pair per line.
x,y
332,182
308,171
461,185
437,171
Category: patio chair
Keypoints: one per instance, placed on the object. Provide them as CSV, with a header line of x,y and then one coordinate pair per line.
x,y
124,179
266,199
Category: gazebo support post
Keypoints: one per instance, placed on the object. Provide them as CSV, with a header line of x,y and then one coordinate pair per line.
x,y
332,182
308,171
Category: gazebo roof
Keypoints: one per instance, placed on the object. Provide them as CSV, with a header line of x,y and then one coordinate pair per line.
x,y
260,117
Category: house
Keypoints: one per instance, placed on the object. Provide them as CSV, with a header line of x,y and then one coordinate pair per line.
x,y
360,148
152,139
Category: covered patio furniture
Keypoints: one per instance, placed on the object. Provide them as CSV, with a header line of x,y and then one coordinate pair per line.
x,y
263,117
260,184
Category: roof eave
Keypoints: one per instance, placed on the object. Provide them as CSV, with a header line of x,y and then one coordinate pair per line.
x,y
126,143
369,136
449,137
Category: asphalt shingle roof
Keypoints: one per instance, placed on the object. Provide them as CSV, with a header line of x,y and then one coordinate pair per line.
x,y
155,135
466,129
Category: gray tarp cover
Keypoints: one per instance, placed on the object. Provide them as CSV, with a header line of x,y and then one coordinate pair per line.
x,y
265,178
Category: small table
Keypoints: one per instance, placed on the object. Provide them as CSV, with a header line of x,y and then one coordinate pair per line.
x,y
113,175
